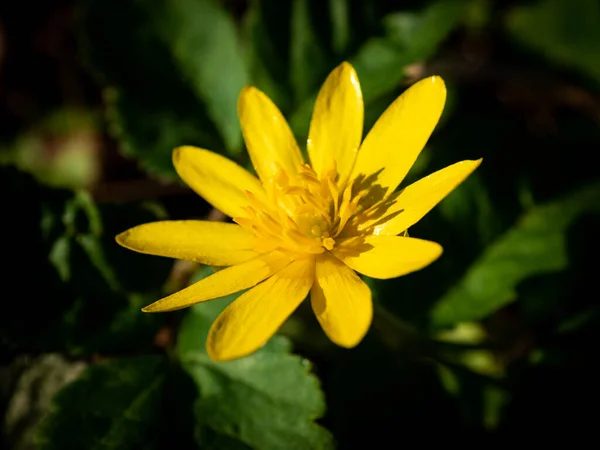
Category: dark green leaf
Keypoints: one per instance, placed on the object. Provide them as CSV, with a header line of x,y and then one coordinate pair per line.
x,y
380,66
381,61
29,384
375,396
308,57
149,128
267,37
535,245
410,37
204,43
566,33
77,290
176,70
420,33
109,284
110,406
340,25
268,400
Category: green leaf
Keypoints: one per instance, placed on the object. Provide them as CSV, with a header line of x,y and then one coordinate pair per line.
x,y
84,290
267,38
108,284
176,70
340,25
148,129
535,245
267,400
420,33
110,406
308,57
567,33
410,37
33,224
204,43
380,67
381,61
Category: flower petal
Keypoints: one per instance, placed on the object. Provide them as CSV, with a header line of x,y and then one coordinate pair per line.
x,y
399,135
220,181
341,301
268,137
246,324
420,197
387,256
223,282
212,243
337,123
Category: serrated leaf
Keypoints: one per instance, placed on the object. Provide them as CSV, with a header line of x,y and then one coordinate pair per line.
x,y
566,33
535,245
267,400
110,406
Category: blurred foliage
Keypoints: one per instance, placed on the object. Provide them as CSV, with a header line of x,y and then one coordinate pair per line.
x,y
565,32
123,398
537,242
87,291
492,344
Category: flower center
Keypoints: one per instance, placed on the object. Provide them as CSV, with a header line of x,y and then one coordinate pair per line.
x,y
302,213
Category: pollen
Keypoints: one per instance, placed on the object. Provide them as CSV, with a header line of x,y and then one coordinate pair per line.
x,y
302,213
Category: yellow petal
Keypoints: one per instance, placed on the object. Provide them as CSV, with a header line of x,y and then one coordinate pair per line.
x,y
223,282
212,243
399,135
249,322
420,197
337,123
268,137
387,256
341,301
220,181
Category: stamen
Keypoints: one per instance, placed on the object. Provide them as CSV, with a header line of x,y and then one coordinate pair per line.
x,y
328,243
304,212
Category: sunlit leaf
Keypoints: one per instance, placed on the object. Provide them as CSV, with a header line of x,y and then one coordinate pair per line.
x,y
535,245
268,400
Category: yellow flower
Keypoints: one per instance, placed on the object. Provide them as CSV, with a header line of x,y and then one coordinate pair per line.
x,y
304,228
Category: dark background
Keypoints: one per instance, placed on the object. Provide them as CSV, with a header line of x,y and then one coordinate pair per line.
x,y
494,344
